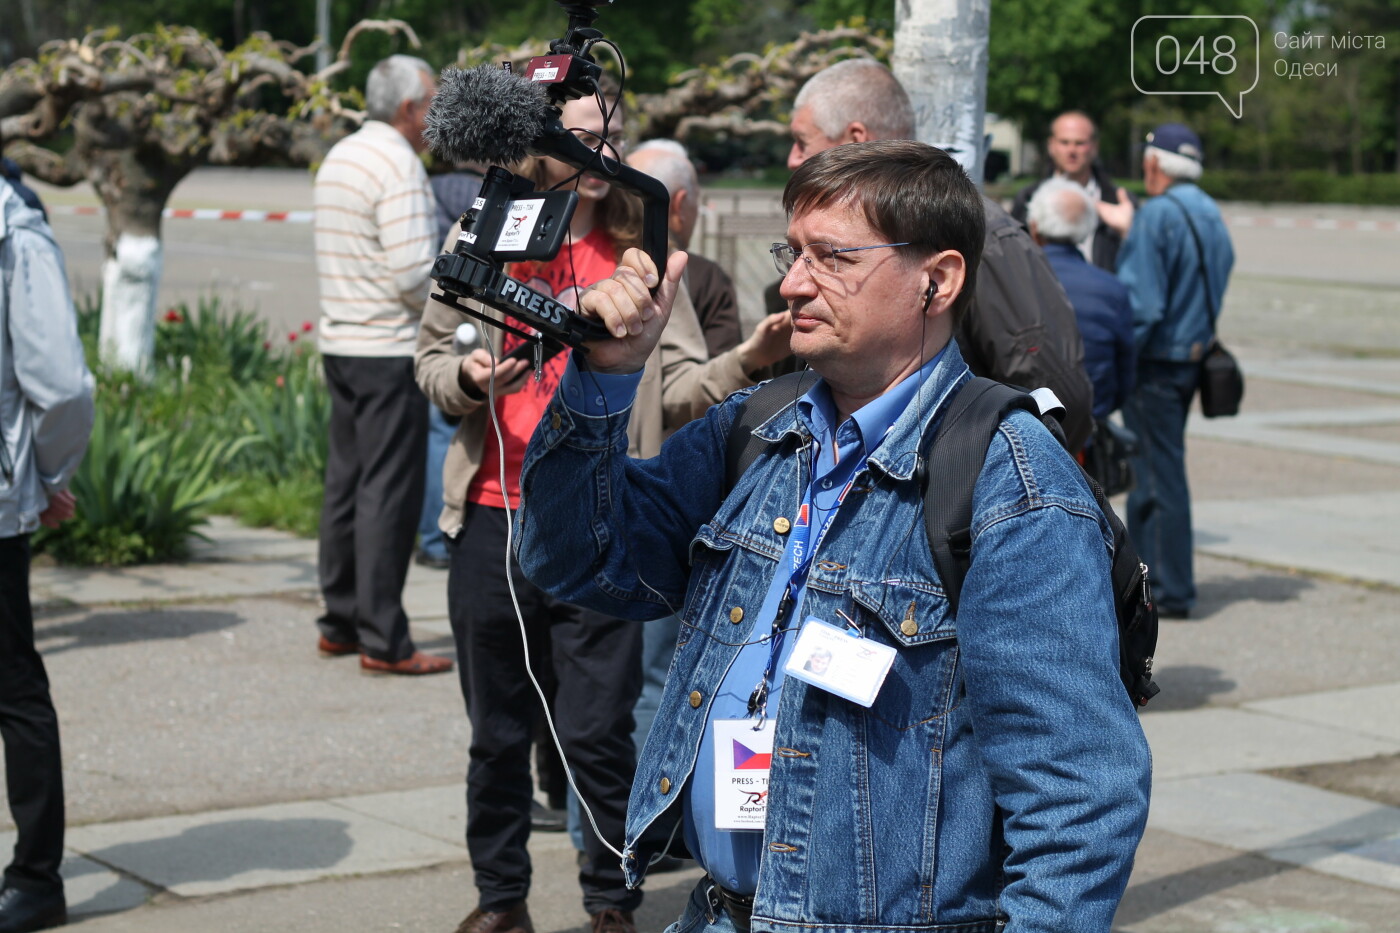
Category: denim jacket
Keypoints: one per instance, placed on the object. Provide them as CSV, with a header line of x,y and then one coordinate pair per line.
x,y
1162,269
1000,780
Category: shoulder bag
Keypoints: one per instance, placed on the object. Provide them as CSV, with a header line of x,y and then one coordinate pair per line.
x,y
1221,382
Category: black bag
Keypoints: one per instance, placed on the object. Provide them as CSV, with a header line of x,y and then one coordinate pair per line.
x,y
955,455
1222,383
1221,380
1108,458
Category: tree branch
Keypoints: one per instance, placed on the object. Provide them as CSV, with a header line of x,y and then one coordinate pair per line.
x,y
390,26
47,166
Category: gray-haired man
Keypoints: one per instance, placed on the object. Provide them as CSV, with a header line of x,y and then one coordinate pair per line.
x,y
375,243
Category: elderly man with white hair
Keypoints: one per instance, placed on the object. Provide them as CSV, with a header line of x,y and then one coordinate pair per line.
x,y
1176,262
375,244
711,289
1061,213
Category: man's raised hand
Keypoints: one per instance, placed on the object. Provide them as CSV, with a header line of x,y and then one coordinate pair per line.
x,y
624,303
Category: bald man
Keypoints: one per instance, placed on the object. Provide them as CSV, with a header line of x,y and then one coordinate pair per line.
x,y
1073,148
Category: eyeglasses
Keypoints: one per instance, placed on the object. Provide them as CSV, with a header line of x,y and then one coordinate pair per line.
x,y
820,256
614,141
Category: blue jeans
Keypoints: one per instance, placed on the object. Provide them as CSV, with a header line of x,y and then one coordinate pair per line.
x,y
1159,509
440,432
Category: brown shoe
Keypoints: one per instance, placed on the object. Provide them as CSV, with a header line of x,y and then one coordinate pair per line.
x,y
613,920
512,920
414,664
336,649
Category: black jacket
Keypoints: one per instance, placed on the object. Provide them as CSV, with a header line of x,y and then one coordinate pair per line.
x,y
1106,239
1021,328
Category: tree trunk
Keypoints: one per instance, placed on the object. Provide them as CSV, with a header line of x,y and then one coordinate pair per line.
x,y
134,194
940,56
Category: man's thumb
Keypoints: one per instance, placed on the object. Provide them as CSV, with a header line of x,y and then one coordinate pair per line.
x,y
675,268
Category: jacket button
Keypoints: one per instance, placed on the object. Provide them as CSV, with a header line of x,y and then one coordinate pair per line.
x,y
781,525
665,785
909,627
556,421
736,615
695,699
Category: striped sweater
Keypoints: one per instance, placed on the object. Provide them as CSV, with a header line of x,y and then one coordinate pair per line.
x,y
375,243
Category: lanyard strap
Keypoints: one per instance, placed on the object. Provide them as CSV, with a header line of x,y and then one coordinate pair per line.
x,y
799,557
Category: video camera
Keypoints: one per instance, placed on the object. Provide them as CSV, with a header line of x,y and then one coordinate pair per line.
x,y
493,115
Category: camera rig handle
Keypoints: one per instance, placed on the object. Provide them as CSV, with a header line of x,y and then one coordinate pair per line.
x,y
470,272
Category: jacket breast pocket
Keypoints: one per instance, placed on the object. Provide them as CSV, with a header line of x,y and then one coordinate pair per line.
x,y
913,618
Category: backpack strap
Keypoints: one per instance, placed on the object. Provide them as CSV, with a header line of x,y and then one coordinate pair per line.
x,y
741,446
950,464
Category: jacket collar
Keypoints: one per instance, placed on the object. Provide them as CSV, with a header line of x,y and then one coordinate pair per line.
x,y
897,456
1063,249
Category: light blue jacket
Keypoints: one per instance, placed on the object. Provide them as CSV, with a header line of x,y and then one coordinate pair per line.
x,y
45,387
1001,773
1160,265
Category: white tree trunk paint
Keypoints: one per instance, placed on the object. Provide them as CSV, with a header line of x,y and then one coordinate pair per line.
x,y
130,279
940,56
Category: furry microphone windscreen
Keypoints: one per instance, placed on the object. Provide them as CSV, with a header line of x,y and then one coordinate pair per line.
x,y
485,114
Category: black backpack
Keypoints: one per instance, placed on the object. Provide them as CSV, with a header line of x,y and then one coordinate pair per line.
x,y
956,454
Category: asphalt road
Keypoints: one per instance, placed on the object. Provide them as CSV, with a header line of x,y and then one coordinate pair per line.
x,y
1304,278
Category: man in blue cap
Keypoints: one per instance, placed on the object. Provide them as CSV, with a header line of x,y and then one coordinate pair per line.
x,y
1176,262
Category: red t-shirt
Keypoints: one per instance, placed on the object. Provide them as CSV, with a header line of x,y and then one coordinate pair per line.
x,y
564,277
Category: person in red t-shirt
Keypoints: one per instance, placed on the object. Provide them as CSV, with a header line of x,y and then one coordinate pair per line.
x,y
593,661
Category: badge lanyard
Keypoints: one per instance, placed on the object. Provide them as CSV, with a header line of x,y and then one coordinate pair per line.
x,y
800,559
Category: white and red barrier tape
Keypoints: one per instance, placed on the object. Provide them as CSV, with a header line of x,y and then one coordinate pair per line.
x,y
306,217
170,213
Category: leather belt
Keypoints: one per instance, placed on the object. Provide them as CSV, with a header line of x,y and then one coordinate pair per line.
x,y
739,907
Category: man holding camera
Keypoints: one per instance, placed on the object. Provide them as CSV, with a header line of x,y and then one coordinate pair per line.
x,y
994,775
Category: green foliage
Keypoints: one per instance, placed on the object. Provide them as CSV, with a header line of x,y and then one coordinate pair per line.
x,y
226,422
142,490
1303,187
292,503
286,421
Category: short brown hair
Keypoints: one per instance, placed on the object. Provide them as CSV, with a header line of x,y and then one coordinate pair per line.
x,y
910,193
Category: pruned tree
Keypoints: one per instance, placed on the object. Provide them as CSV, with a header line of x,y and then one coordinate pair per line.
x,y
744,95
138,114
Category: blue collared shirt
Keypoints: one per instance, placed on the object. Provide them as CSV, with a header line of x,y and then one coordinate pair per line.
x,y
838,451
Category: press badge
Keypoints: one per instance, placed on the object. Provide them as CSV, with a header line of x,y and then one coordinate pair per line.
x,y
743,757
839,661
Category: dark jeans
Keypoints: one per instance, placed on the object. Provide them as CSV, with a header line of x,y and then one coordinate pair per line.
x,y
374,495
29,726
596,662
1159,509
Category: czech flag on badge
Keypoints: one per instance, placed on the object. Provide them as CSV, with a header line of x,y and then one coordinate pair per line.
x,y
746,759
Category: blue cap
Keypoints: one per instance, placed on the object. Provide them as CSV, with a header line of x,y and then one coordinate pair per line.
x,y
1178,138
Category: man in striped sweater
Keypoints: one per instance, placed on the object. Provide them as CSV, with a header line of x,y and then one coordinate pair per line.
x,y
375,244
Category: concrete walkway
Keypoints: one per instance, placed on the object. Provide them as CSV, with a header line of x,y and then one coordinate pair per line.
x,y
221,778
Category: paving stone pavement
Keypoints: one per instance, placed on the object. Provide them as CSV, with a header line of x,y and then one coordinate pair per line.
x,y
223,777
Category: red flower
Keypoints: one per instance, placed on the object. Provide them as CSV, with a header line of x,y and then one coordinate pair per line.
x,y
267,344
306,327
281,382
292,337
173,317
